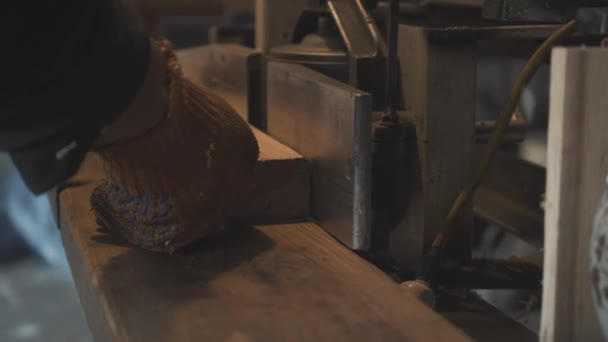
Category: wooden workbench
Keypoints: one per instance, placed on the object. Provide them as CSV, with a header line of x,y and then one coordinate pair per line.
x,y
273,282
282,282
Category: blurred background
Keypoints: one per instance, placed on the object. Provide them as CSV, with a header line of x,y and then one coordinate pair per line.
x,y
38,300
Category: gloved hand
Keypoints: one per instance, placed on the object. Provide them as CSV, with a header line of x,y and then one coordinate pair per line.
x,y
180,180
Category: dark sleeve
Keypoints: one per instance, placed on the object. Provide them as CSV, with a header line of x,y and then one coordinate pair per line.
x,y
67,69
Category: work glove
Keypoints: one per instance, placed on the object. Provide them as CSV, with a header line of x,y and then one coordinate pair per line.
x,y
183,178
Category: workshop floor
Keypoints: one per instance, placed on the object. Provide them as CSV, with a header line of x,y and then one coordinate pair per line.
x,y
39,302
38,299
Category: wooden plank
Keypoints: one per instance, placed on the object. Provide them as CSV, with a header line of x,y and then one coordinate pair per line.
x,y
445,133
282,189
289,282
231,71
283,175
576,169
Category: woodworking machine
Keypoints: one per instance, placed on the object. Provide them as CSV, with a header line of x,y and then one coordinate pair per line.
x,y
321,80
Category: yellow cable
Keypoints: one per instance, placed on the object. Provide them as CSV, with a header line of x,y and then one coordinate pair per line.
x,y
501,124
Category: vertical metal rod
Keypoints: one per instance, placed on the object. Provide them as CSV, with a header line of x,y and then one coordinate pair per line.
x,y
391,62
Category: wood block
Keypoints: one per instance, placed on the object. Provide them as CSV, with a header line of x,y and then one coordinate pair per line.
x,y
290,282
282,190
444,139
283,175
282,184
576,169
229,70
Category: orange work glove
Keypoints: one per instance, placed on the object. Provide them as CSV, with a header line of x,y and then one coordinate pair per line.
x,y
180,180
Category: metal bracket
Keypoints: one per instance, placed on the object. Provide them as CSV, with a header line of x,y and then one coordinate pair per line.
x,y
329,123
363,42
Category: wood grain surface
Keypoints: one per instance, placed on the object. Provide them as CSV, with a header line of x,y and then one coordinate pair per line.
x,y
577,165
289,282
282,190
283,176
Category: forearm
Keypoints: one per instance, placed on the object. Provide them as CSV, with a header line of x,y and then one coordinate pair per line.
x,y
146,110
66,79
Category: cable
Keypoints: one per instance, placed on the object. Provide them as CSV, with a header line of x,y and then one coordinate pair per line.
x,y
490,150
392,63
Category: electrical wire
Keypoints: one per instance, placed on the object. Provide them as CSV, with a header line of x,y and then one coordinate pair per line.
x,y
392,63
502,123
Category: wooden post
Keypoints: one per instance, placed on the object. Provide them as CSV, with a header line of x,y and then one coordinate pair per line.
x,y
576,169
440,93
